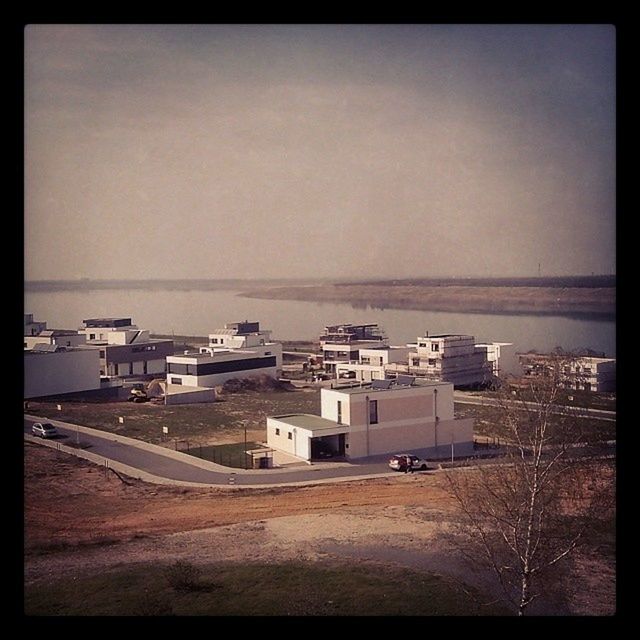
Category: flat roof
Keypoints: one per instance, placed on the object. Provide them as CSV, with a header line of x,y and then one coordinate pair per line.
x,y
309,422
418,383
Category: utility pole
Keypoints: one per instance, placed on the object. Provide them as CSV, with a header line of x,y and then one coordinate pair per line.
x,y
245,444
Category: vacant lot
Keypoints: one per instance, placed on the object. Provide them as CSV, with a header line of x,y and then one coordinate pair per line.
x,y
87,533
202,424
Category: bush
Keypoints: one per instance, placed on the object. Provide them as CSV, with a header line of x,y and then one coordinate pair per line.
x,y
183,576
261,382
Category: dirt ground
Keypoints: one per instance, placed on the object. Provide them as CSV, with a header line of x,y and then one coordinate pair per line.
x,y
77,519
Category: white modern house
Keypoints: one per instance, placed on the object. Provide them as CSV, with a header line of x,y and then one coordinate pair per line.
x,y
448,357
341,344
124,349
384,417
239,350
50,369
372,363
585,373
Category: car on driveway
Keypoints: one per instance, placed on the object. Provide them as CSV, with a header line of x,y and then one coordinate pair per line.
x,y
402,461
44,430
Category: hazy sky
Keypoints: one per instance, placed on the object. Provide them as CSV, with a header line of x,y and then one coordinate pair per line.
x,y
331,151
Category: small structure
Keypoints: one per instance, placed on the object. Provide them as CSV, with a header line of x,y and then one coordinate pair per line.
x,y
383,417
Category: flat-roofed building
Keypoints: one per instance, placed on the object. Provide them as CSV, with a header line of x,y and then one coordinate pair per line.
x,y
387,416
51,370
342,343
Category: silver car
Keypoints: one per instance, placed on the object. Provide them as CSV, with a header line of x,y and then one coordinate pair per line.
x,y
405,461
44,430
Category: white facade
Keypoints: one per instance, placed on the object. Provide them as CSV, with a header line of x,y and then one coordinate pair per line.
x,y
245,336
60,372
368,421
215,367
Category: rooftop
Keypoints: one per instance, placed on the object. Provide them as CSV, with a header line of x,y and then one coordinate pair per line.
x,y
309,422
390,385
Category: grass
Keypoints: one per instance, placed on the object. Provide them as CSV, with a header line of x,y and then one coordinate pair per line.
x,y
487,423
257,590
229,455
197,422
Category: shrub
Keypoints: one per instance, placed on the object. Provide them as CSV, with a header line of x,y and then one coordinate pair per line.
x,y
183,576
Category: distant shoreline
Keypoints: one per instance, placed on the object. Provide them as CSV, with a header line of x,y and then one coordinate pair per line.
x,y
577,302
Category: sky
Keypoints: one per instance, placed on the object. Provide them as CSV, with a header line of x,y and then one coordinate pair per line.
x,y
328,151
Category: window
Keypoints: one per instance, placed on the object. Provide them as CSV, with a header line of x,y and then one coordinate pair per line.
x,y
432,362
221,340
373,412
92,336
214,340
267,353
422,344
435,346
277,431
68,343
102,353
176,380
339,411
365,360
290,435
415,362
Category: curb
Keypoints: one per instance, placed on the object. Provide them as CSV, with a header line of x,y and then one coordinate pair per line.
x,y
138,474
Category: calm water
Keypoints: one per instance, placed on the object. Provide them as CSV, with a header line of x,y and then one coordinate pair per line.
x,y
201,312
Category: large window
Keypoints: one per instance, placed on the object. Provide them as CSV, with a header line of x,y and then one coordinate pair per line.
x,y
373,412
435,346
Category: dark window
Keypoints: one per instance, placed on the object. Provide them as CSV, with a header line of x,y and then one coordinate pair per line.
x,y
68,343
431,362
277,431
290,435
267,353
435,346
176,380
92,336
416,362
131,368
373,412
339,412
102,353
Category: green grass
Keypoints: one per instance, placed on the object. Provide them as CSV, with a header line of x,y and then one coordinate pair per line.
x,y
144,421
258,590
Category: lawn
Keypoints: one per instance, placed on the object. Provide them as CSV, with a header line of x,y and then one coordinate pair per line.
x,y
200,423
256,590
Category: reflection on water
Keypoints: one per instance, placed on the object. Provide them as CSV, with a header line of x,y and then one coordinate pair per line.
x,y
201,312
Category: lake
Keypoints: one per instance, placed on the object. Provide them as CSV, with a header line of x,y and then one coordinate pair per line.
x,y
199,313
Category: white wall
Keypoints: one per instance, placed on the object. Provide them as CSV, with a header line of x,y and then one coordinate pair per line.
x,y
62,372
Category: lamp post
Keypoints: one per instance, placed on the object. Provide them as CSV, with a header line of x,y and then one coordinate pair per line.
x,y
245,444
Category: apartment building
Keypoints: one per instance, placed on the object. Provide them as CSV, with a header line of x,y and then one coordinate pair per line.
x,y
342,343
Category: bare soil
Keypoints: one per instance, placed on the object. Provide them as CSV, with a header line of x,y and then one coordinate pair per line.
x,y
79,520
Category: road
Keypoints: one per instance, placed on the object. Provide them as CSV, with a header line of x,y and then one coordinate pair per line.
x,y
160,464
581,412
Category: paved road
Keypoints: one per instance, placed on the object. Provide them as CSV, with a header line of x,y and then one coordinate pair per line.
x,y
160,465
598,414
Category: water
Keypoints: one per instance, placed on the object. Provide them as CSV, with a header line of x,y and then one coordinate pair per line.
x,y
201,312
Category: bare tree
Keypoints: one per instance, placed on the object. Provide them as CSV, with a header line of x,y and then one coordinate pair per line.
x,y
526,514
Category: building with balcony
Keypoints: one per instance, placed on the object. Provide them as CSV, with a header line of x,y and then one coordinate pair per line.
x,y
245,336
581,373
383,417
342,343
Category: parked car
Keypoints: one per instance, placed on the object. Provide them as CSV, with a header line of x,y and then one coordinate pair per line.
x,y
44,430
401,461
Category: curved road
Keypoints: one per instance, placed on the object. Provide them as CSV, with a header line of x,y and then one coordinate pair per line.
x,y
172,465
